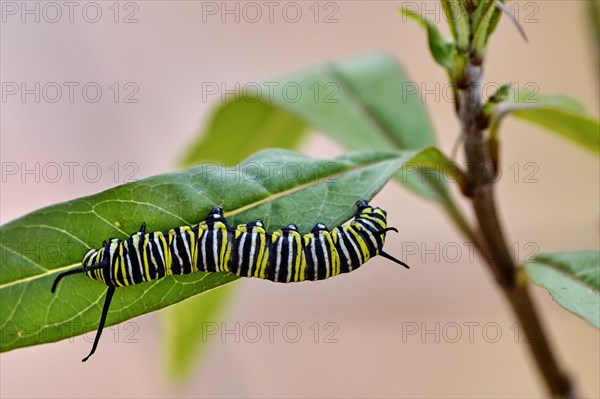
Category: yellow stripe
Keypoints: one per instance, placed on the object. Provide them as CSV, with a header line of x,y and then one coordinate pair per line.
x,y
201,232
376,220
145,255
122,260
334,257
300,259
265,260
307,238
171,238
363,247
260,241
224,248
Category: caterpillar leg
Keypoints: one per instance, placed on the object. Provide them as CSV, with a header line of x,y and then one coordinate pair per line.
x,y
107,300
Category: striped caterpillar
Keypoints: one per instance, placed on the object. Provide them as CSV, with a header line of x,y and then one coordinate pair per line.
x,y
246,250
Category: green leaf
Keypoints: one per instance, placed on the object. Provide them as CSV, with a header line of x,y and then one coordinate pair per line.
x,y
189,326
558,114
251,124
277,186
362,102
573,280
440,47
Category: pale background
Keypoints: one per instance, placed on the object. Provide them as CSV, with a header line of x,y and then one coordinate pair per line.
x,y
168,54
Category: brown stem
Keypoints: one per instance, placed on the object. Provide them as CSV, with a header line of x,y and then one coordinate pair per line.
x,y
493,244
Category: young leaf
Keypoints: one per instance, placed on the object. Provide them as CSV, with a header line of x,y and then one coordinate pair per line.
x,y
440,47
486,14
458,20
557,114
573,280
277,186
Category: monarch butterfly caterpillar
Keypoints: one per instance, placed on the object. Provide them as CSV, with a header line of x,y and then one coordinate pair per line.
x,y
247,250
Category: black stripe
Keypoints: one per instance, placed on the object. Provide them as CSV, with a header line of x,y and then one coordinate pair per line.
x,y
185,236
176,264
364,233
309,274
113,266
270,270
156,252
136,268
349,239
338,246
321,269
285,253
208,251
240,242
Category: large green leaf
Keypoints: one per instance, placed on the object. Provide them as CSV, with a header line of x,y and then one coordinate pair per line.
x,y
573,280
362,102
557,114
277,186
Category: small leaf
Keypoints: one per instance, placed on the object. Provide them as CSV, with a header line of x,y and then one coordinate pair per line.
x,y
557,114
276,186
458,20
440,47
486,18
189,326
573,280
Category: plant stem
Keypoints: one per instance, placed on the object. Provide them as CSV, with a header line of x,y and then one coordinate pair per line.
x,y
493,244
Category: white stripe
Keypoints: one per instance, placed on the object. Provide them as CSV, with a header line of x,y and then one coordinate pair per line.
x,y
216,250
371,237
129,268
136,244
241,253
290,253
203,249
188,251
341,235
322,239
314,256
111,251
160,252
358,254
177,235
278,262
152,260
253,239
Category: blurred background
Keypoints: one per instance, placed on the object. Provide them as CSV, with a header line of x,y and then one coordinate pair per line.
x,y
132,76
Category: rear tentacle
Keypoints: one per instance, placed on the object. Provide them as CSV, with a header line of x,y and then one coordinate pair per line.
x,y
388,256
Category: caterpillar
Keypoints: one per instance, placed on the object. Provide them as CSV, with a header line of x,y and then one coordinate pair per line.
x,y
246,250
